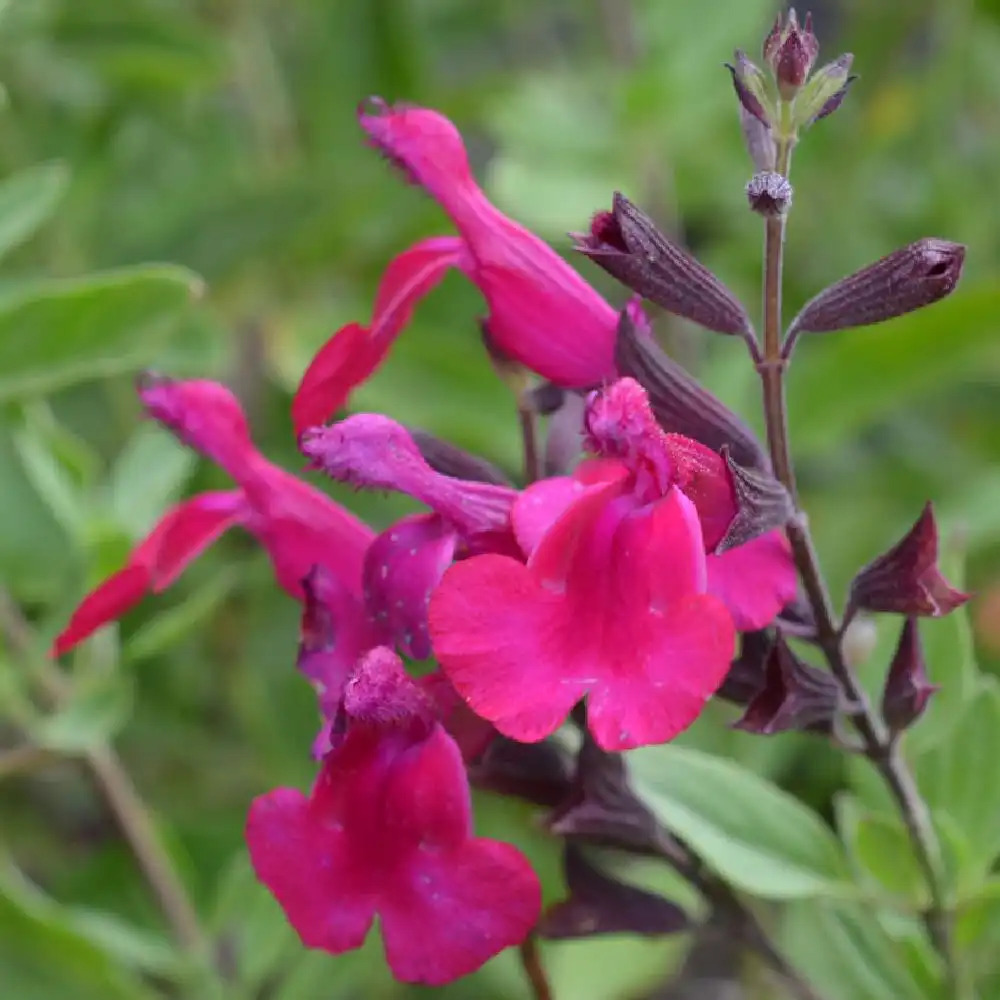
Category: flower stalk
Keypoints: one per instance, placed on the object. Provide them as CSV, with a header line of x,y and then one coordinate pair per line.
x,y
877,743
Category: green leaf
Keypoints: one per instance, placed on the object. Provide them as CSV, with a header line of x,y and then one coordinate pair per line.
x,y
847,381
44,955
880,847
954,776
57,333
977,929
27,199
846,954
98,707
748,830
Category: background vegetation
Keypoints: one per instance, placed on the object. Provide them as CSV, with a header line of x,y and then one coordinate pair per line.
x,y
183,185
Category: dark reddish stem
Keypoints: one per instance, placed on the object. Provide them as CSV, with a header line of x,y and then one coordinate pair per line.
x,y
531,960
877,744
529,438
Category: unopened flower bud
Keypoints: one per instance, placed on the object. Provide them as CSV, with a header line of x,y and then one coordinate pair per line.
x,y
602,808
790,51
450,460
627,244
907,279
600,904
751,88
794,696
831,84
906,579
769,193
762,505
907,686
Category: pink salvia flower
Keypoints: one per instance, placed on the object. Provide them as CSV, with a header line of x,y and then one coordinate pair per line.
x,y
543,314
617,600
372,451
298,526
387,833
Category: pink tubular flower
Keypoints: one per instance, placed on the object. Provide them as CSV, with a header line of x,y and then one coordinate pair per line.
x,y
542,313
298,525
372,451
616,599
387,833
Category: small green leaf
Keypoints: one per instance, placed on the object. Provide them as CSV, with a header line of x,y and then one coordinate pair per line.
x,y
747,829
846,954
98,707
881,849
955,775
56,333
27,200
44,955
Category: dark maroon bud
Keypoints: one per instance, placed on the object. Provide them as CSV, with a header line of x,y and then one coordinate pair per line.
x,y
598,904
790,51
564,437
794,696
907,686
769,193
748,82
540,773
762,504
748,672
906,579
680,404
907,279
450,460
627,244
602,808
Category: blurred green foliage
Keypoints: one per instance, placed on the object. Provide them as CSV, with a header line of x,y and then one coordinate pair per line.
x,y
183,185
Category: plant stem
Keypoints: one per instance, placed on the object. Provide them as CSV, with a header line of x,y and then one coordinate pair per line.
x,y
531,961
877,744
116,788
529,440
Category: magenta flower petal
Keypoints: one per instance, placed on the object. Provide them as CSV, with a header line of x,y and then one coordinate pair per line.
x,y
307,867
205,415
387,832
181,535
609,603
539,506
457,910
542,312
403,565
755,581
354,352
372,451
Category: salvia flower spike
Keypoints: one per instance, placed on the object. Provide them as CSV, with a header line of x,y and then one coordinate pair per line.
x,y
906,579
907,687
